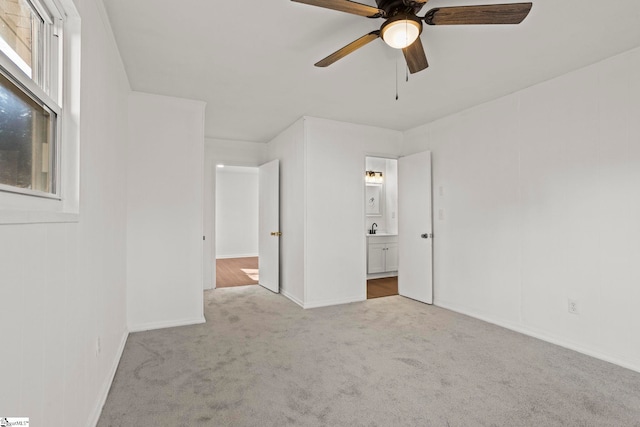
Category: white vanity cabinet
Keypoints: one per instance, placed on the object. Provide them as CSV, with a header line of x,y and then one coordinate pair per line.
x,y
382,254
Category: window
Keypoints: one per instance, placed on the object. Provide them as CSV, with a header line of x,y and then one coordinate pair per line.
x,y
30,107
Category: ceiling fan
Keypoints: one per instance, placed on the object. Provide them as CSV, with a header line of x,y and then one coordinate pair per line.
x,y
402,26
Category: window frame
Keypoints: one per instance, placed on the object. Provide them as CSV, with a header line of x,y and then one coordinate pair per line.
x,y
43,88
63,29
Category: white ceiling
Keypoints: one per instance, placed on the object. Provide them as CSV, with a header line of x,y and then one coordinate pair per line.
x,y
252,61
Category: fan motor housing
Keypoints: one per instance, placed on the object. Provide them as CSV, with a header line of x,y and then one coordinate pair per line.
x,y
394,7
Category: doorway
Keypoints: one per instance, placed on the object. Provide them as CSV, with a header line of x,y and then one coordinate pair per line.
x,y
231,272
381,219
236,225
398,212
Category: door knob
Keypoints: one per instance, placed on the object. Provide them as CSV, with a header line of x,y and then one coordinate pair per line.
x,y
276,233
426,235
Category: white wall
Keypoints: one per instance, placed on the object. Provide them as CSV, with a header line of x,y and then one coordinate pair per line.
x,y
62,286
540,197
236,212
236,153
335,243
165,212
322,252
289,148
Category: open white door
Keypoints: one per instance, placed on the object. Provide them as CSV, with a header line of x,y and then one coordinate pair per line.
x,y
269,225
415,279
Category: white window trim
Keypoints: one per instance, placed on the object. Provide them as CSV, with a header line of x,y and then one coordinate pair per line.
x,y
5,49
21,208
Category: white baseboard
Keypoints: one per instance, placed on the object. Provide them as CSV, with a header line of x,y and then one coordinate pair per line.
x,y
106,385
382,275
236,256
541,335
166,324
326,303
291,297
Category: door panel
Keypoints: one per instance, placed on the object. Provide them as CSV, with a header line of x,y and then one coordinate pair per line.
x,y
391,259
376,258
415,278
269,225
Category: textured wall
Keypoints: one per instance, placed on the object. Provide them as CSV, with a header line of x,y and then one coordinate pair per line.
x,y
62,285
536,202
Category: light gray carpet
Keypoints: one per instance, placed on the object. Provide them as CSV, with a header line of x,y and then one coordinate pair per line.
x,y
260,360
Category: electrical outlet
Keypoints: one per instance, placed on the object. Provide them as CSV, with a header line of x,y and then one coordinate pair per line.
x,y
441,214
573,306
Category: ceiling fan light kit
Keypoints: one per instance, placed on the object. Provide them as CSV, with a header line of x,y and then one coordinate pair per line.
x,y
403,26
401,31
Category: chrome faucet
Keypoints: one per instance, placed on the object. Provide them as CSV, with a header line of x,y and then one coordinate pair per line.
x,y
373,230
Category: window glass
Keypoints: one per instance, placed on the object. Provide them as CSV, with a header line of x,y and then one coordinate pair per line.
x,y
28,123
26,135
21,31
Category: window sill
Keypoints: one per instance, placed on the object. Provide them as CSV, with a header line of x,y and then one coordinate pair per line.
x,y
34,217
24,209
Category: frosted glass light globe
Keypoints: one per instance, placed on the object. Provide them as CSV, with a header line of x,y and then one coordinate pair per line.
x,y
400,34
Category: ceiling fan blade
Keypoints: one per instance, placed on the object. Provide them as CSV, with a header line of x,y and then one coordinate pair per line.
x,y
512,13
415,56
346,6
351,47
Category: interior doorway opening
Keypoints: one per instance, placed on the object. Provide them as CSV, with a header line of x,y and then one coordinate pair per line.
x,y
236,225
384,287
381,220
231,272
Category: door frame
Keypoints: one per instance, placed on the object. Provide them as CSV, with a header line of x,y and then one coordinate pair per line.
x,y
384,156
209,216
397,158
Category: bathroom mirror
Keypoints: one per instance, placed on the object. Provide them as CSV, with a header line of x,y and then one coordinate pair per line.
x,y
373,200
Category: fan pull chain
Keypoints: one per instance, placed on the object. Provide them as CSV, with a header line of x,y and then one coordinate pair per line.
x,y
406,32
397,80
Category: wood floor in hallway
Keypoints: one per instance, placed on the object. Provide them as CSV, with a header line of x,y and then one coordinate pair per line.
x,y
236,272
385,287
